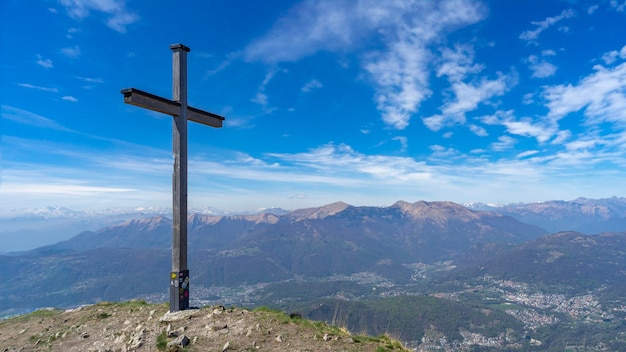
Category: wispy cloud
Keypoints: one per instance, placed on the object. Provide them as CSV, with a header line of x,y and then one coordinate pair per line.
x,y
69,98
526,154
59,189
601,95
401,73
612,56
261,97
71,52
400,70
32,86
540,68
310,26
478,130
457,64
532,35
332,171
28,118
310,85
118,16
45,63
404,142
617,5
90,79
467,98
503,143
542,131
224,64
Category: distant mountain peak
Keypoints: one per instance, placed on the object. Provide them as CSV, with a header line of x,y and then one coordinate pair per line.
x,y
147,223
318,213
423,209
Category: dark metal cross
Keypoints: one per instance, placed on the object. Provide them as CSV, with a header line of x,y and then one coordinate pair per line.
x,y
178,108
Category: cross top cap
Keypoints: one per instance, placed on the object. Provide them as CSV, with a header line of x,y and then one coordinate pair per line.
x,y
179,47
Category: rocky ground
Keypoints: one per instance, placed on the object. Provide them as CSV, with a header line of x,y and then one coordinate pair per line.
x,y
138,326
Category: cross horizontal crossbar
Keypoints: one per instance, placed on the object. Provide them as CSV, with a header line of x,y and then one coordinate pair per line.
x,y
153,102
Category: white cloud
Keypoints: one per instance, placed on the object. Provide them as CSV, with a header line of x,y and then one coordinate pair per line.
x,y
401,79
611,56
562,136
503,143
118,16
90,79
343,161
527,98
70,98
617,5
400,70
467,98
403,142
458,63
526,153
478,130
310,85
532,35
601,95
32,86
72,52
312,26
70,32
441,152
260,97
401,74
526,127
45,63
435,122
540,68
59,189
529,129
591,9
581,144
28,118
469,95
224,64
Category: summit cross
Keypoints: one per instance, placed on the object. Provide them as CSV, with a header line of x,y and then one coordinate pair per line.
x,y
181,112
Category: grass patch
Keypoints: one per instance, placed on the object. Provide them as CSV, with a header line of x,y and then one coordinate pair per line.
x,y
102,315
44,313
161,341
385,341
284,318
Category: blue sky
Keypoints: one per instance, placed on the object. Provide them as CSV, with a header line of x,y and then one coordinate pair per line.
x,y
366,102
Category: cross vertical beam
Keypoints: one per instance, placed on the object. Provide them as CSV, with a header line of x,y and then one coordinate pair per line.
x,y
181,112
179,296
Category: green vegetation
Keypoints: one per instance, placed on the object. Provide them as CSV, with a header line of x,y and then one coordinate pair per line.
x,y
40,314
161,341
102,315
284,318
582,337
387,343
408,317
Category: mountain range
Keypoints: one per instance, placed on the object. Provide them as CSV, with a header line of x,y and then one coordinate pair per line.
x,y
440,251
588,216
